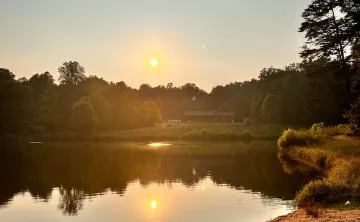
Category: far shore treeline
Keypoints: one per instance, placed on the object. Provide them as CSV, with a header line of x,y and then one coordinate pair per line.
x,y
323,87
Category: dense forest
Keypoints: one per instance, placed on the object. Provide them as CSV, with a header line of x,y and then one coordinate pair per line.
x,y
323,87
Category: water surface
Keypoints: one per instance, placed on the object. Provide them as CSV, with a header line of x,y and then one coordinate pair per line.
x,y
138,182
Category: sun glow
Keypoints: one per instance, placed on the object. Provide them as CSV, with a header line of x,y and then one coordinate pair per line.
x,y
153,204
159,144
154,62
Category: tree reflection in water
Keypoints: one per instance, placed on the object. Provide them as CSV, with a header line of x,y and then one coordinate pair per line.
x,y
80,171
70,201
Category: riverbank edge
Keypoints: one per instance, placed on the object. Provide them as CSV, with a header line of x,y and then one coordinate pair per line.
x,y
324,161
296,153
324,215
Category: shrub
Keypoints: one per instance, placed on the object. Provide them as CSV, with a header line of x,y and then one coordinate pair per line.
x,y
291,137
313,192
341,183
317,127
335,131
313,210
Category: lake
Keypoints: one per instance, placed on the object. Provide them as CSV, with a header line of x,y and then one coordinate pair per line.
x,y
137,182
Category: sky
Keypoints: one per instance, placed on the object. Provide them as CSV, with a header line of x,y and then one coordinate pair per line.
x,y
206,42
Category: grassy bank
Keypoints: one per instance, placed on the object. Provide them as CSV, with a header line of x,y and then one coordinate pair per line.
x,y
336,156
184,132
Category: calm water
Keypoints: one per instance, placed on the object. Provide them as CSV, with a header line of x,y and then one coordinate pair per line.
x,y
137,182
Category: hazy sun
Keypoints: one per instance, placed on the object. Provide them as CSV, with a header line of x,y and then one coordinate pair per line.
x,y
154,62
153,204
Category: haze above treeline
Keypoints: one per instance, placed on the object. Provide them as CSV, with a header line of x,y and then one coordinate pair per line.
x,y
324,87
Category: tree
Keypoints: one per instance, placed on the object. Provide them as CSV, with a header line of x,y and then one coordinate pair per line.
x,y
39,83
71,201
270,110
15,104
6,75
152,113
226,107
356,54
324,31
45,117
353,116
102,109
71,73
351,9
84,117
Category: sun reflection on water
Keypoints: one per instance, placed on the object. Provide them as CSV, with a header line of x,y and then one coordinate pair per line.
x,y
159,144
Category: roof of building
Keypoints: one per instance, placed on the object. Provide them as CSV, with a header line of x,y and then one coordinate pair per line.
x,y
207,113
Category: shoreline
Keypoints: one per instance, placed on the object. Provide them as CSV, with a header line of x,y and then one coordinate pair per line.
x,y
324,215
336,157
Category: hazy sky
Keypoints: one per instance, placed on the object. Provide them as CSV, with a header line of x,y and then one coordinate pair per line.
x,y
207,42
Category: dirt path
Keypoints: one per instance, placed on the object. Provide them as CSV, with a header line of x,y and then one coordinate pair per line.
x,y
325,215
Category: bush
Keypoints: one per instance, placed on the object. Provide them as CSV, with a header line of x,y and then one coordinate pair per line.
x,y
291,137
313,210
315,135
335,131
317,127
341,183
313,192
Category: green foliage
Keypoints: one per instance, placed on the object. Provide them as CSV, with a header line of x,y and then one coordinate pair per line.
x,y
317,134
84,117
208,134
270,110
317,127
45,120
302,137
15,104
353,116
6,75
226,107
71,73
325,32
341,183
103,110
152,113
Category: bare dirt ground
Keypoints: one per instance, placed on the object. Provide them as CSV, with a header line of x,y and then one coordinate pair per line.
x,y
325,215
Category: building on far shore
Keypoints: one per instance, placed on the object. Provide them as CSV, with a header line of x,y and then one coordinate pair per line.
x,y
208,116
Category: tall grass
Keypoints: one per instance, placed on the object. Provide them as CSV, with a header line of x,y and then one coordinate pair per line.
x,y
342,172
302,137
191,132
341,183
206,134
317,134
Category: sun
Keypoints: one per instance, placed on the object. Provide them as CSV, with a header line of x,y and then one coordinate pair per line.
x,y
153,204
154,62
